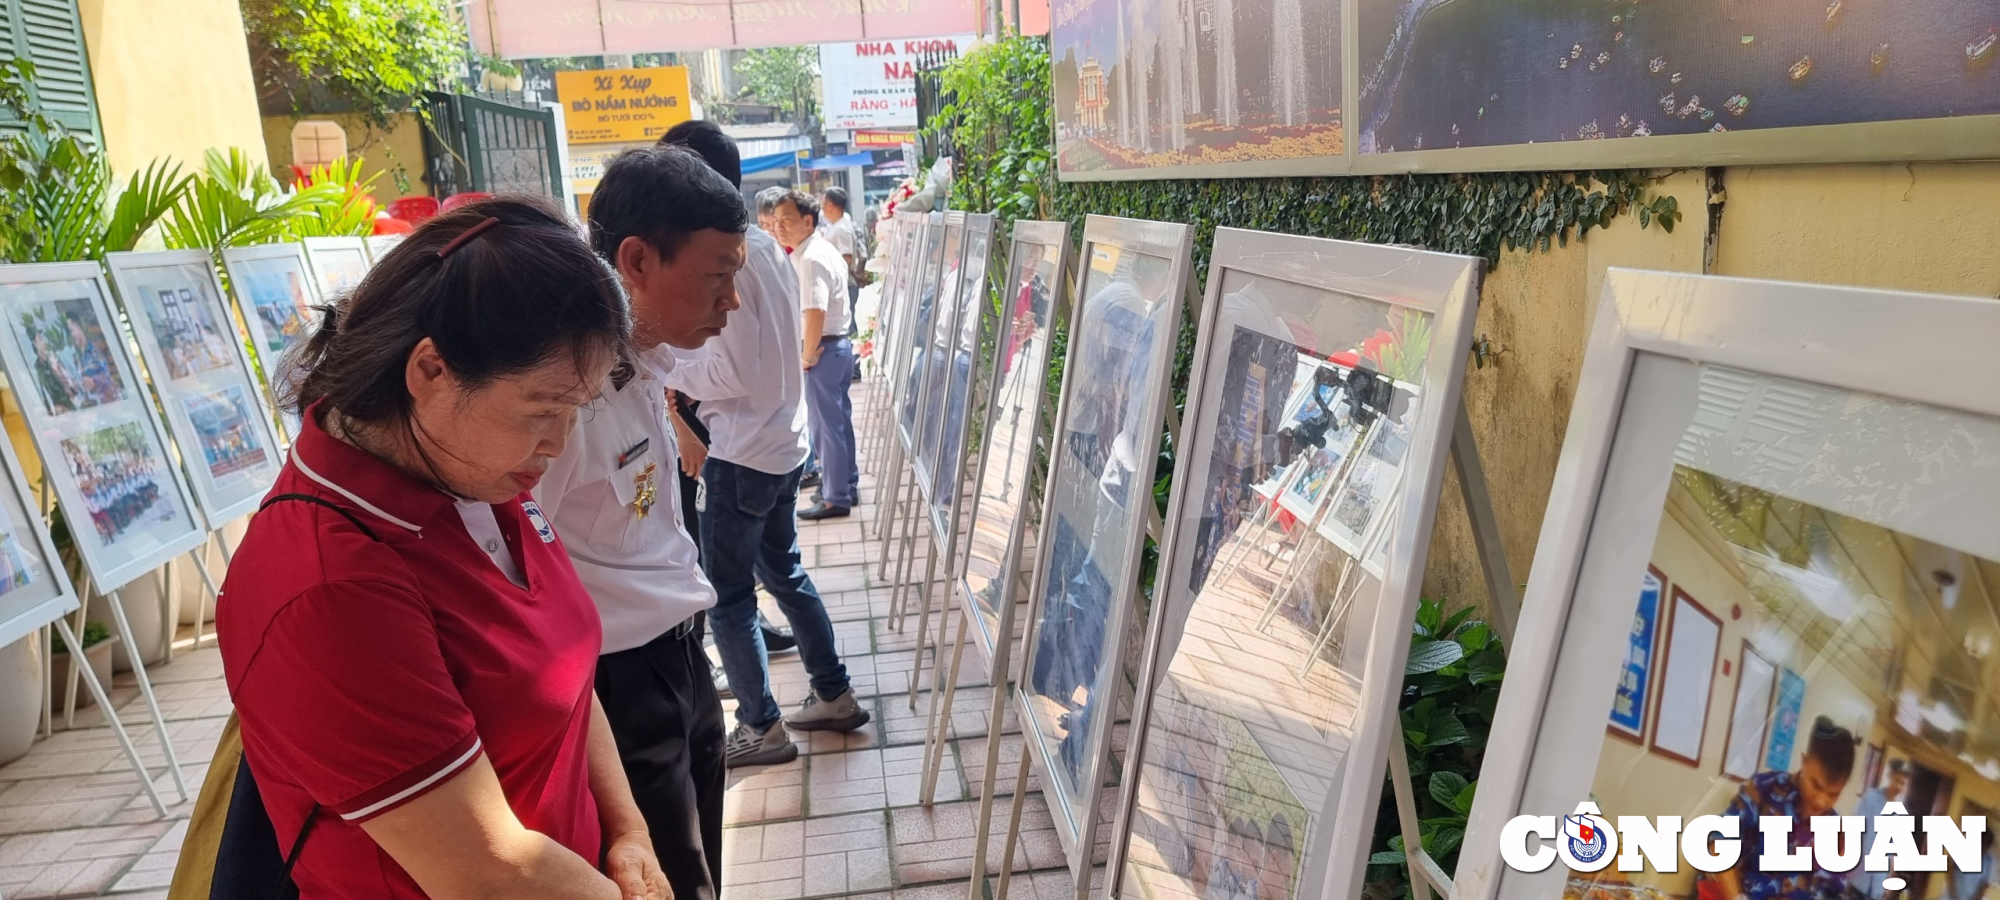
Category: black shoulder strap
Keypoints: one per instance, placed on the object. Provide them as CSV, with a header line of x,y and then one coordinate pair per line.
x,y
329,504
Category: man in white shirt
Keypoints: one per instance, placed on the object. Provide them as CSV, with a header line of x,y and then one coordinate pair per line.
x,y
674,229
844,233
751,385
828,354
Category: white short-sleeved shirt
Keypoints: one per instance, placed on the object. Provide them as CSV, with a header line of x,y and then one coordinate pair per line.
x,y
642,570
823,282
749,379
840,234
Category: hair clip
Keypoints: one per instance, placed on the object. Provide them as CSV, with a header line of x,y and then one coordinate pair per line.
x,y
467,236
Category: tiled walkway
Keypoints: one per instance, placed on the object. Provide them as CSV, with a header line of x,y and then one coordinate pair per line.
x,y
842,821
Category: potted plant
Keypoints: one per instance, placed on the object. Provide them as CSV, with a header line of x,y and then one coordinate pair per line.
x,y
21,695
500,75
97,646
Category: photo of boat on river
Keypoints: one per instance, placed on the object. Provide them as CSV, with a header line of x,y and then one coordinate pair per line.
x,y
1147,88
1440,74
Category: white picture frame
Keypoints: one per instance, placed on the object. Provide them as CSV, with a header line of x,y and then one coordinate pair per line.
x,y
1689,660
1034,295
215,409
922,304
1131,285
35,589
967,338
277,295
1661,349
1311,781
1749,715
379,246
338,263
932,359
93,422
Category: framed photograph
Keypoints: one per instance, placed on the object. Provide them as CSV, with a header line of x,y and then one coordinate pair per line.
x,y
1818,466
922,304
34,587
1283,670
338,263
275,292
1149,89
379,246
93,423
1131,284
935,359
1361,500
1687,675
1031,298
1785,721
1755,677
203,376
1633,702
892,314
967,338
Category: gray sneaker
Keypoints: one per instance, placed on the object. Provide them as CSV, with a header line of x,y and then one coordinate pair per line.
x,y
842,713
747,746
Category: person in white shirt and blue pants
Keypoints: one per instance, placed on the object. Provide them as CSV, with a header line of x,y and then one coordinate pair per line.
x,y
751,385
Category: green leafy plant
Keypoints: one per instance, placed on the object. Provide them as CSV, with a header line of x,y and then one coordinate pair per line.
x,y
374,57
94,633
60,202
347,211
784,77
997,120
1450,687
233,202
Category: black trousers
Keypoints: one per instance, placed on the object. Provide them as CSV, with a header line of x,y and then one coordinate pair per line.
x,y
661,702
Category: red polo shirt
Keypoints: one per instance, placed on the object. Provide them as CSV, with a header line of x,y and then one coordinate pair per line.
x,y
365,672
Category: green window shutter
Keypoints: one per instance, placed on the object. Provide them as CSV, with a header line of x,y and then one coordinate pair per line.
x,y
50,34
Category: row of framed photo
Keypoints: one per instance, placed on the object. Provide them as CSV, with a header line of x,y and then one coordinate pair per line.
x,y
1832,499
147,454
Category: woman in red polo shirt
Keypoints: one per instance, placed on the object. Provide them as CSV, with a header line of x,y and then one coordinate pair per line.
x,y
408,649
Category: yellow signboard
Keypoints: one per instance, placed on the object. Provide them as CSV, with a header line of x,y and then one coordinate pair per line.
x,y
621,105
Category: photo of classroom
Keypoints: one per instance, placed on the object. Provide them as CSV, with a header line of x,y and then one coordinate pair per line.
x,y
1786,659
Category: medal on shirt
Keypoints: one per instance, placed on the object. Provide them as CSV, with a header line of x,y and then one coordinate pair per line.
x,y
649,491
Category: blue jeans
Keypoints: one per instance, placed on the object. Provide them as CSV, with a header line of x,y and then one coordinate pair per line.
x,y
831,415
748,534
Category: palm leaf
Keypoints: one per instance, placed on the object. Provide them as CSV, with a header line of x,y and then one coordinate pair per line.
x,y
155,190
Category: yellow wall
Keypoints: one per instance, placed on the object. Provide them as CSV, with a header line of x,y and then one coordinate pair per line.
x,y
1923,227
172,79
378,149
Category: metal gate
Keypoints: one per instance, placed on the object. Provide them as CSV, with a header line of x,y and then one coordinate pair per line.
x,y
475,144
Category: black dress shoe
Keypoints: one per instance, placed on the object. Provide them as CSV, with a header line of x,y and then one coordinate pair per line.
x,y
776,640
824,511
810,479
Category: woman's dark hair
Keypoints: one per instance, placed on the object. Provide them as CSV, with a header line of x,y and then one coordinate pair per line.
x,y
708,140
1832,746
661,195
496,299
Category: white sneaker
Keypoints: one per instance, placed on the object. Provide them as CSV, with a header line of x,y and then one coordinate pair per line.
x,y
842,713
747,746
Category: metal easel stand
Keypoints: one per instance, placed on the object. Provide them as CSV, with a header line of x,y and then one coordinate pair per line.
x,y
1426,875
103,699
937,718
146,691
200,557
